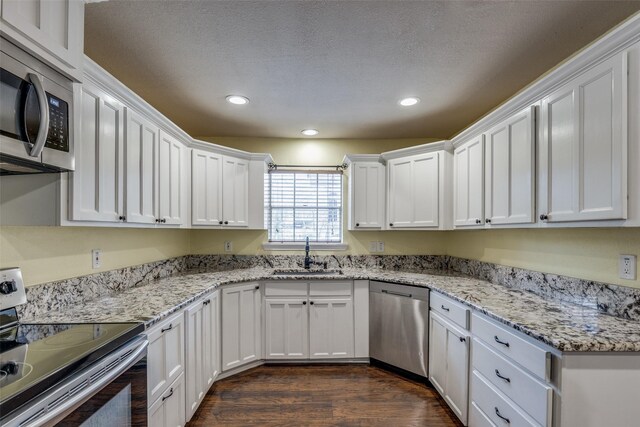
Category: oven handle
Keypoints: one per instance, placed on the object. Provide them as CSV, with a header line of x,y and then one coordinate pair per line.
x,y
84,395
43,129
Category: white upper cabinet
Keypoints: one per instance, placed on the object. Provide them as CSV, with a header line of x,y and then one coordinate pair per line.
x,y
414,191
169,179
97,184
141,150
468,181
510,170
219,190
583,152
51,29
235,192
366,195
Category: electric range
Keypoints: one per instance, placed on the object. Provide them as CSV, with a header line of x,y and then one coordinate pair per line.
x,y
55,372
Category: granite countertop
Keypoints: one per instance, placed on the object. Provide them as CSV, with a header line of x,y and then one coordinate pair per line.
x,y
564,326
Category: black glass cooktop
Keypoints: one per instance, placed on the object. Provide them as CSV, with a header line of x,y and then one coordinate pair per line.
x,y
34,357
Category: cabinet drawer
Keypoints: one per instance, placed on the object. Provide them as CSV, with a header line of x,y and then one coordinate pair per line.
x,y
169,409
165,355
499,409
322,288
530,394
286,289
452,310
477,418
530,356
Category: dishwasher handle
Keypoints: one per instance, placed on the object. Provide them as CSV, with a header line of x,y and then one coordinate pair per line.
x,y
400,294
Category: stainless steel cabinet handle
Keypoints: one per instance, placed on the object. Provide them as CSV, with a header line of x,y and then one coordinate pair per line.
x,y
167,329
43,128
444,308
505,419
400,294
168,395
501,377
504,343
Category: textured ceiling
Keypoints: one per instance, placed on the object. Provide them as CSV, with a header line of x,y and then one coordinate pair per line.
x,y
337,66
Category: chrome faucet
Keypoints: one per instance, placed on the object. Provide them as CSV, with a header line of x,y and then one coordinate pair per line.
x,y
307,259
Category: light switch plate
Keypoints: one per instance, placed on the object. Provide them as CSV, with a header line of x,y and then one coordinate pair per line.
x,y
380,246
96,258
228,246
627,267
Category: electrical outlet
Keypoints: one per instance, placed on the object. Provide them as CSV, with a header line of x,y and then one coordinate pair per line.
x,y
373,246
228,246
627,267
380,246
96,258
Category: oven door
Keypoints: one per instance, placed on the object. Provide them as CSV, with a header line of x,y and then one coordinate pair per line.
x,y
111,392
35,113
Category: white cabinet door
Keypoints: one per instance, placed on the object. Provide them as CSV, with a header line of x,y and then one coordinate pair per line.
x,y
330,328
169,179
141,151
235,192
96,186
583,155
206,188
468,181
367,195
168,410
510,173
449,364
286,328
165,356
54,30
414,191
241,331
202,349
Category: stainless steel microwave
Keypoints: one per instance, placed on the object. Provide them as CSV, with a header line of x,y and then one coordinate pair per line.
x,y
36,115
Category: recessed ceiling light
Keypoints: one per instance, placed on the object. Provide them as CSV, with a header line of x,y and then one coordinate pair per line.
x,y
310,132
407,102
237,99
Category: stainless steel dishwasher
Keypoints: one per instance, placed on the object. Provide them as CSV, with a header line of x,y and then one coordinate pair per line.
x,y
398,326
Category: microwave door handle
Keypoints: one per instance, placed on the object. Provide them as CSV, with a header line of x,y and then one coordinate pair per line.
x,y
43,129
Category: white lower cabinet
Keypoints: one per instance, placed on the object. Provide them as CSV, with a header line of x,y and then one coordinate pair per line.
x,y
330,328
286,328
449,363
165,355
202,349
168,411
241,325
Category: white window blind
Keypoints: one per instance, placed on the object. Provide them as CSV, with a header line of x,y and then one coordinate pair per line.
x,y
301,204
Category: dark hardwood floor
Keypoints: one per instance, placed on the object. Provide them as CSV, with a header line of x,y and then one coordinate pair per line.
x,y
322,395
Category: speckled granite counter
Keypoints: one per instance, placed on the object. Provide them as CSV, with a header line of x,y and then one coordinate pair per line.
x,y
564,326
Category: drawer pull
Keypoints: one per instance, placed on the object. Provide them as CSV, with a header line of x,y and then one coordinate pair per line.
x,y
206,302
505,419
167,329
504,343
503,378
168,395
444,308
463,339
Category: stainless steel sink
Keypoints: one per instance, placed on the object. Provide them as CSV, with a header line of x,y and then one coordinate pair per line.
x,y
306,272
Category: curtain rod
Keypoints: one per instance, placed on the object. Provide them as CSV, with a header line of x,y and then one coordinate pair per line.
x,y
274,167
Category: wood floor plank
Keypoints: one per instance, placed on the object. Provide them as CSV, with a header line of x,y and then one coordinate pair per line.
x,y
322,395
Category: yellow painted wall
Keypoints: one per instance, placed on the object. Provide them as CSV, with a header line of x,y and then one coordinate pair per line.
x,y
52,253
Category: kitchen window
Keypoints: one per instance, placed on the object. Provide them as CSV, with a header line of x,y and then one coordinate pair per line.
x,y
301,204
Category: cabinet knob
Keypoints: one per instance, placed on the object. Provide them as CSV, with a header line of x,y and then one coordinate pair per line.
x,y
357,224
463,339
488,220
310,302
226,222
157,220
304,303
391,224
257,288
220,222
163,220
122,218
544,217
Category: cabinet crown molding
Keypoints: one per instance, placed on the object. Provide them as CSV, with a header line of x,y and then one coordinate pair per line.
x,y
616,40
418,149
367,158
